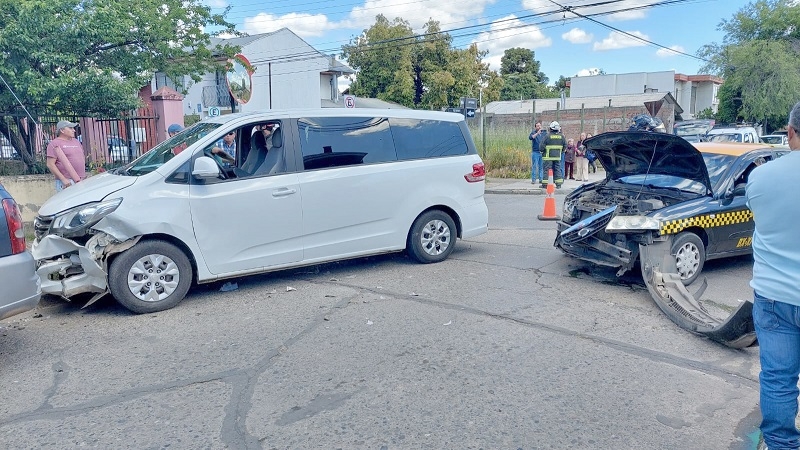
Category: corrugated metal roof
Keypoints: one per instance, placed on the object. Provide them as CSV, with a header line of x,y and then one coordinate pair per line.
x,y
549,104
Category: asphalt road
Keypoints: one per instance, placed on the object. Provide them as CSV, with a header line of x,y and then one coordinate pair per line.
x,y
506,345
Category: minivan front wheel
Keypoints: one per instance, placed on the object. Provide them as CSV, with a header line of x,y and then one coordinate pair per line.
x,y
150,276
432,237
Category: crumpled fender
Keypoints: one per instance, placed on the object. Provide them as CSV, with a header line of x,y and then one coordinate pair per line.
x,y
57,256
665,286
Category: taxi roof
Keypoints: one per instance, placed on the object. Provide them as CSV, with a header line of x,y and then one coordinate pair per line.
x,y
727,148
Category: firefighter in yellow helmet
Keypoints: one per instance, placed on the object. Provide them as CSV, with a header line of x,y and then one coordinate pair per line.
x,y
552,147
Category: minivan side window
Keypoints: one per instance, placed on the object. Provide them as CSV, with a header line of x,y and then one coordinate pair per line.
x,y
344,141
416,139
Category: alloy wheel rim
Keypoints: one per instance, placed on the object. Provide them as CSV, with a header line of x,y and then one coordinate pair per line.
x,y
435,237
153,278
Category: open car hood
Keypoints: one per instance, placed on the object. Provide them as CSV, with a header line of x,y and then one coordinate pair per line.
x,y
625,153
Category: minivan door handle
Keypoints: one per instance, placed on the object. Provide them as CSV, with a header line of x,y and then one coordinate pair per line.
x,y
283,192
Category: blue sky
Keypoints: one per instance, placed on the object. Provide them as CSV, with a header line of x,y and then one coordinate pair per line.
x,y
563,42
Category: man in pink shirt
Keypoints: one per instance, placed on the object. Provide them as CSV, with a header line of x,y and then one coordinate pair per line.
x,y
65,158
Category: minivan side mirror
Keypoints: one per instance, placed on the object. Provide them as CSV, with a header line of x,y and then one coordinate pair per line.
x,y
205,167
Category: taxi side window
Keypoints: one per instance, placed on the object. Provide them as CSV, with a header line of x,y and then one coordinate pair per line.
x,y
742,179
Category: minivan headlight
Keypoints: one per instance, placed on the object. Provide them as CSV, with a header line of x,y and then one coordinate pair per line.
x,y
622,224
75,221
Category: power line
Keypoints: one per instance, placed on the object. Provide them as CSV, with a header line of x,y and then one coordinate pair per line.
x,y
414,39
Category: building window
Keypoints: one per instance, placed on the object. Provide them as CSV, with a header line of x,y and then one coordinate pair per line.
x,y
163,80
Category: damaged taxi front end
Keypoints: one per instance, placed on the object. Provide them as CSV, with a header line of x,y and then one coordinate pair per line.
x,y
657,207
72,246
651,178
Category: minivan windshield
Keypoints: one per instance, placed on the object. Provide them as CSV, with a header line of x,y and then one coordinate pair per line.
x,y
167,150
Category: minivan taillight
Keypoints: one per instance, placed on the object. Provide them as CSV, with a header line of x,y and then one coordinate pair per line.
x,y
15,231
478,173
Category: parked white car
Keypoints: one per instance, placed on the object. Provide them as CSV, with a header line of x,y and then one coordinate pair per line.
x,y
733,134
304,187
775,139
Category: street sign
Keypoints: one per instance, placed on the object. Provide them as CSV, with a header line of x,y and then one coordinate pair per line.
x,y
468,105
349,101
213,111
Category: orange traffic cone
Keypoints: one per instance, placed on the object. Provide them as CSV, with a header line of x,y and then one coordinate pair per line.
x,y
549,212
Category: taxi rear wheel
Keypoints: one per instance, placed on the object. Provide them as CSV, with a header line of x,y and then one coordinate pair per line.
x,y
690,255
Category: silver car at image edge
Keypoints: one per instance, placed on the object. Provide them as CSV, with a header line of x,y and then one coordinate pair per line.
x,y
20,288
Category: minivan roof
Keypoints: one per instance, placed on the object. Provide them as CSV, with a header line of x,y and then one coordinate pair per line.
x,y
340,112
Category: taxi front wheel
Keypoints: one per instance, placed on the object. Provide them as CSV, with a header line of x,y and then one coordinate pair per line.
x,y
690,255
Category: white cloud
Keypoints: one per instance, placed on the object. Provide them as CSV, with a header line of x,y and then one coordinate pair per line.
x,y
577,36
509,33
302,24
664,53
617,40
624,8
417,13
588,72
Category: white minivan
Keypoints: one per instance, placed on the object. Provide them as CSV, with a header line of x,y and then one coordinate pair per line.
x,y
248,193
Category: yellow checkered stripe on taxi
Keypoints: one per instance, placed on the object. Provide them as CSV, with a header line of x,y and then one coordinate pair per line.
x,y
706,221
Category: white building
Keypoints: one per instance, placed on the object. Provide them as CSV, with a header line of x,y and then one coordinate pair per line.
x,y
287,73
694,93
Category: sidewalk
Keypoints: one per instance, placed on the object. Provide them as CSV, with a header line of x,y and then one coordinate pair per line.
x,y
524,186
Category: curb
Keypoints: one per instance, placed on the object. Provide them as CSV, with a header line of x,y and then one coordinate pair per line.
x,y
531,191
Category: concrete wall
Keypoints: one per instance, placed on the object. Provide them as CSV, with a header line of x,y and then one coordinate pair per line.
x,y
30,192
619,84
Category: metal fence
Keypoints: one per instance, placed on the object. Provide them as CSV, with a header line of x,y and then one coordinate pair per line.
x,y
108,141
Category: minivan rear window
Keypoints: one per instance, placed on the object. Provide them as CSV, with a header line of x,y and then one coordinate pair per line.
x,y
416,139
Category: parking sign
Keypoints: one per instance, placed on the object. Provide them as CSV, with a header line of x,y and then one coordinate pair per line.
x,y
213,111
349,101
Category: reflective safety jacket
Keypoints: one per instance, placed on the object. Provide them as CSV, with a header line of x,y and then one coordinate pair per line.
x,y
552,146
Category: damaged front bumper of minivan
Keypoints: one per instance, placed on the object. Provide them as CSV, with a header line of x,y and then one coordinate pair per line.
x,y
67,268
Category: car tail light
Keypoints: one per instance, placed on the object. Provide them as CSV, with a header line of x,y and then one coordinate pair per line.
x,y
15,230
478,173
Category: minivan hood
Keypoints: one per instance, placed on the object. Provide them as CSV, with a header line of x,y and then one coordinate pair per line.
x,y
625,153
92,189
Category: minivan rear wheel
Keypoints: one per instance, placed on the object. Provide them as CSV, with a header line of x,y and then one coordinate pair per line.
x,y
432,237
150,276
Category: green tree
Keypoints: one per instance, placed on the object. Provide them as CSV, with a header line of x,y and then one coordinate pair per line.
x,y
522,78
382,55
759,59
93,56
420,71
521,60
562,84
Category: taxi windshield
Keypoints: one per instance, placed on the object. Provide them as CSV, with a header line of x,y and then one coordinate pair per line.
x,y
166,150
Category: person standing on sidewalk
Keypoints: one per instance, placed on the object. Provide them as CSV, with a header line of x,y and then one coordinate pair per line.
x,y
65,158
776,297
537,170
552,148
569,160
